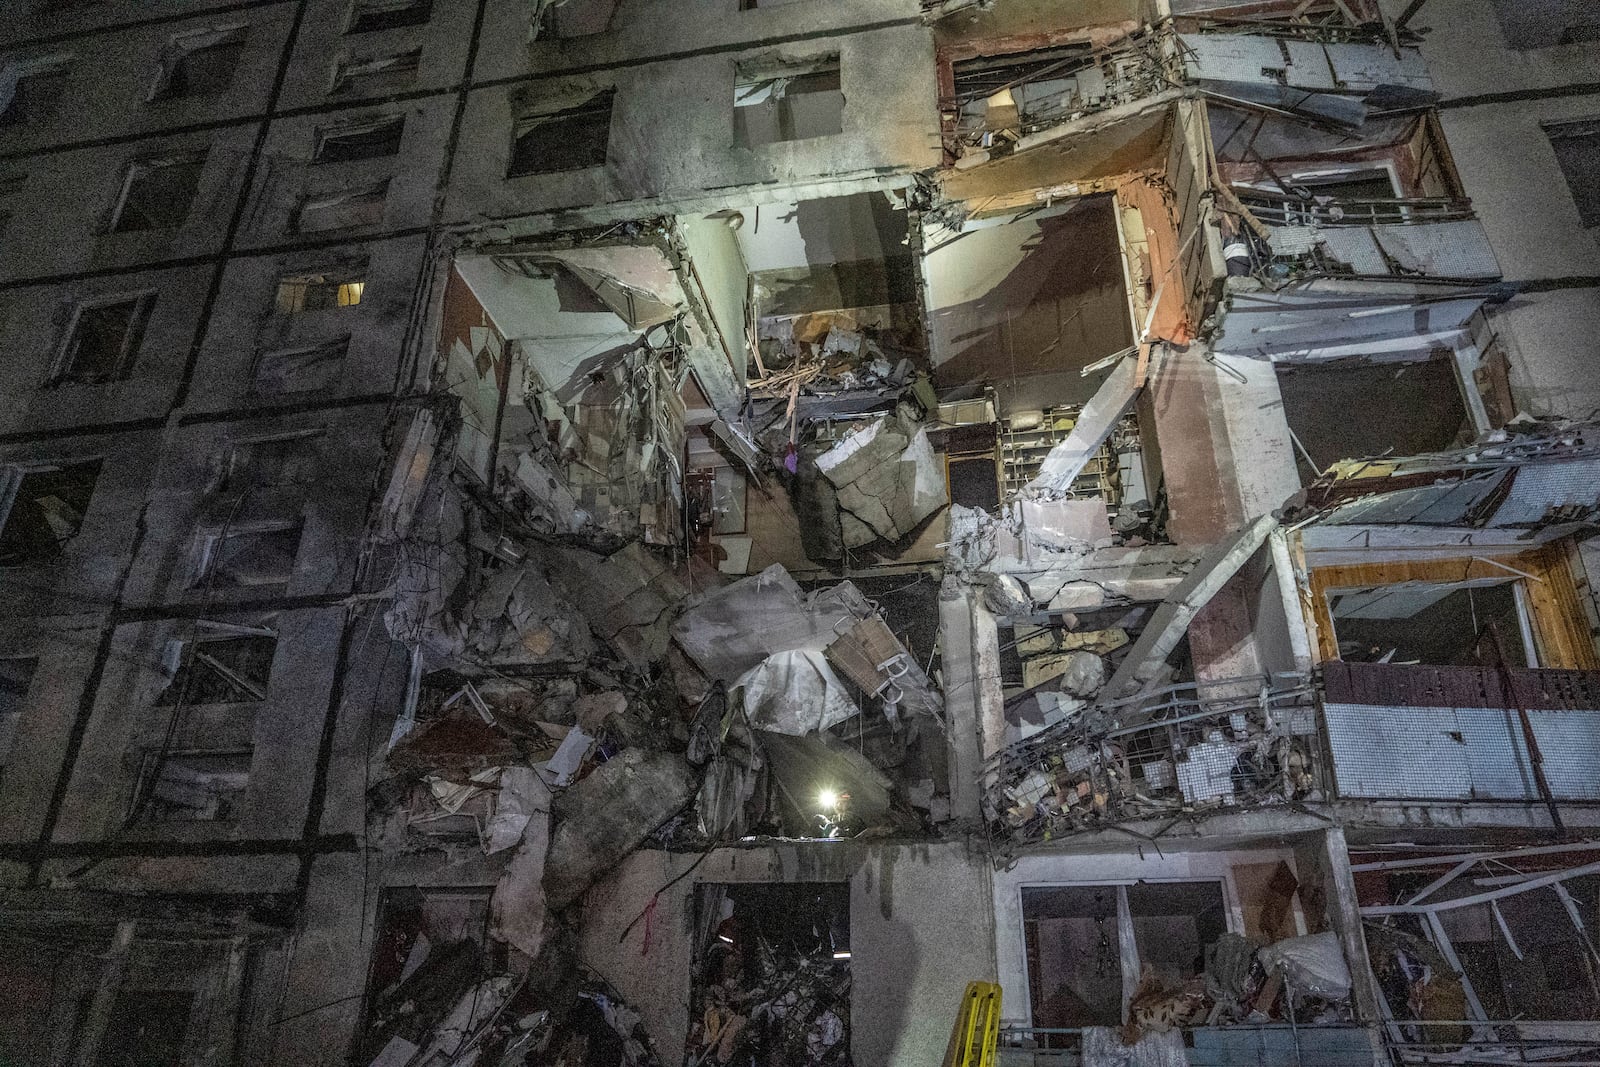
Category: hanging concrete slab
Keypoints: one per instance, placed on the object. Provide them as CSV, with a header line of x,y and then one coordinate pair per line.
x,y
1099,417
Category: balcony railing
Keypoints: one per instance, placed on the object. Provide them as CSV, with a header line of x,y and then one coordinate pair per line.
x,y
1417,238
1291,211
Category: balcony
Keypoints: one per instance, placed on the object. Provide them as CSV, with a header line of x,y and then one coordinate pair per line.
x,y
1397,238
1284,1044
1456,733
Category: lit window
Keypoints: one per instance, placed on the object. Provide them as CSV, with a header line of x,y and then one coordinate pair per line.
x,y
342,211
43,508
370,140
369,15
199,64
319,292
103,340
377,75
570,139
299,370
1577,148
157,194
787,105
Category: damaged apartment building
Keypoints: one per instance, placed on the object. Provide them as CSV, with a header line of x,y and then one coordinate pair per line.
x,y
627,532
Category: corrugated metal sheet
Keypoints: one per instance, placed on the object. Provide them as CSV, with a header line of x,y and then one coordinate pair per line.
x,y
1445,503
1416,686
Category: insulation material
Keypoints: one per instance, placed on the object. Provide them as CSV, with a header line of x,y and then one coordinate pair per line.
x,y
794,692
1103,1047
732,630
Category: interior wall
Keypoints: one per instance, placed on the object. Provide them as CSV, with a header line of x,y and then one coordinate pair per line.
x,y
1026,304
837,229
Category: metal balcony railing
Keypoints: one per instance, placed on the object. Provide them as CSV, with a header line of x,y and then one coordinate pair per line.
x,y
1282,210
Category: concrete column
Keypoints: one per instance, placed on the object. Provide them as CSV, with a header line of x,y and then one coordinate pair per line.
x,y
961,703
1324,862
105,996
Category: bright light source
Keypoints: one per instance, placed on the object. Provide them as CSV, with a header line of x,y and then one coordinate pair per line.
x,y
725,937
828,799
842,955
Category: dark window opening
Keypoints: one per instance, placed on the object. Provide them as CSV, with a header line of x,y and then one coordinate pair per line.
x,y
1407,408
46,511
320,292
373,140
147,1028
974,481
1073,949
299,370
779,106
777,955
1370,184
1172,925
576,18
157,194
343,211
193,786
563,140
201,69
222,670
251,557
1437,624
270,462
1577,148
34,96
371,15
430,945
104,341
378,75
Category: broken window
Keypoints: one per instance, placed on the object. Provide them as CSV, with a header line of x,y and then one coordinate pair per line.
x,y
771,973
342,211
45,509
299,370
157,194
103,340
787,105
1407,408
269,462
369,15
262,556
199,64
1079,938
34,94
319,292
1577,148
570,139
367,140
16,675
431,944
221,664
377,75
1440,624
565,19
192,786
1530,24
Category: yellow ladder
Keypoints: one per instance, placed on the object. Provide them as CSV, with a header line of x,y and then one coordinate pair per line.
x,y
975,1041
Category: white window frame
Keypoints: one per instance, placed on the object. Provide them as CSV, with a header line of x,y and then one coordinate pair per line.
x,y
185,44
144,298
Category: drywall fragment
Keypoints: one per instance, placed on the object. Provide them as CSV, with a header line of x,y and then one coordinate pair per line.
x,y
609,814
1172,617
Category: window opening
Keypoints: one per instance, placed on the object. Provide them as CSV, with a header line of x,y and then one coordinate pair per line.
x,y
299,370
269,462
779,957
772,106
200,64
371,15
232,668
320,292
1439,624
368,140
342,211
1577,148
103,340
157,194
46,510
192,786
250,557
38,88
378,74
570,139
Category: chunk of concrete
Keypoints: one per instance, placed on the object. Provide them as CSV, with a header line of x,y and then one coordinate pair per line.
x,y
1007,596
609,814
886,482
1085,674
